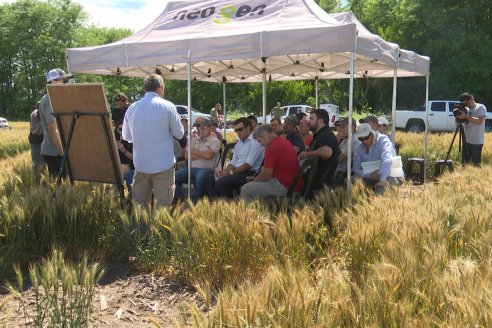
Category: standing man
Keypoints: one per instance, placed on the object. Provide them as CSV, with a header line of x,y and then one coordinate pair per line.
x,y
324,146
120,106
277,112
150,124
474,128
246,161
35,139
279,168
215,112
51,147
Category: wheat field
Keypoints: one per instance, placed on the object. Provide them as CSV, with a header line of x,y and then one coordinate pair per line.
x,y
420,256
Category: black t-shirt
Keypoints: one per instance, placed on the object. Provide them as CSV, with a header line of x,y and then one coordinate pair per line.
x,y
326,167
118,114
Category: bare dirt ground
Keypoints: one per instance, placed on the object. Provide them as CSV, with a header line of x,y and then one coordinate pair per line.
x,y
124,298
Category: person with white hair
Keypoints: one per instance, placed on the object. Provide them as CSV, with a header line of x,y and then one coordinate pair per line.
x,y
377,149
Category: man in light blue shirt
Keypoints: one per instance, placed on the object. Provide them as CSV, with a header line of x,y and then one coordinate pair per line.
x,y
150,124
375,146
246,161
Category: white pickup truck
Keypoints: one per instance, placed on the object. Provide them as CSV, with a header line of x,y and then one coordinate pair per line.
x,y
441,117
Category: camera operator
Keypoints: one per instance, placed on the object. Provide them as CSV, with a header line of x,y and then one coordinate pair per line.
x,y
474,128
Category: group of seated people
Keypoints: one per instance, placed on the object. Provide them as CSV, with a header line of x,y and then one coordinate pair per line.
x,y
267,158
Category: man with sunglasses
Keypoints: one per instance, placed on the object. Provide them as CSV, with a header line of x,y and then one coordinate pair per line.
x,y
51,147
377,148
246,161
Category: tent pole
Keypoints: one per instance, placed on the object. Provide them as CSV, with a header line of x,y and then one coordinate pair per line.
x,y
264,96
393,105
426,125
225,110
351,110
316,91
190,120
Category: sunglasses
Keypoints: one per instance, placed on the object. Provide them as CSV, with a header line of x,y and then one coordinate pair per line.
x,y
365,138
238,130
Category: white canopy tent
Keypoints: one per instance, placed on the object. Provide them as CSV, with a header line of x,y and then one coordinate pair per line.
x,y
250,41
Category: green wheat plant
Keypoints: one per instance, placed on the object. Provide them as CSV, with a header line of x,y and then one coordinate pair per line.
x,y
61,293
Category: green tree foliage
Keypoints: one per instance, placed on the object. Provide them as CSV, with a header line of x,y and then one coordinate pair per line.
x,y
33,38
455,34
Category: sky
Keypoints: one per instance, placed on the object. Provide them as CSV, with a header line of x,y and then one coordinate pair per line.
x,y
132,14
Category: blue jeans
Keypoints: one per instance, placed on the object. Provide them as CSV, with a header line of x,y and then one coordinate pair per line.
x,y
129,180
198,176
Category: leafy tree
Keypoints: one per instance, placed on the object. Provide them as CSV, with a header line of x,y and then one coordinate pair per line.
x,y
33,40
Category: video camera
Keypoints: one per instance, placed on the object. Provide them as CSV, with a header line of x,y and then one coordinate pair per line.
x,y
459,108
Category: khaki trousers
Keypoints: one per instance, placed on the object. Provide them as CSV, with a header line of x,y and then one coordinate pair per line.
x,y
161,184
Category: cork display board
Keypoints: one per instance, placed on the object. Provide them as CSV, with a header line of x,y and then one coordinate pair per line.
x,y
93,142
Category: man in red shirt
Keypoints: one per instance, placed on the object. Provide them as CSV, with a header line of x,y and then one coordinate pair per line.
x,y
279,169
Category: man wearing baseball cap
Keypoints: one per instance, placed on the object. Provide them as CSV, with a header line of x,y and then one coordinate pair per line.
x,y
374,147
51,147
383,124
372,120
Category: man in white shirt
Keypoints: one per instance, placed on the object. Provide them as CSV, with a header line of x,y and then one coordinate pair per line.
x,y
246,161
150,124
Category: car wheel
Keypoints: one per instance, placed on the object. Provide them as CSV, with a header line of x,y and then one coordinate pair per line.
x,y
415,127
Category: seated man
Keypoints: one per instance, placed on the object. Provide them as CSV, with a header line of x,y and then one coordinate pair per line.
x,y
276,126
375,147
372,120
383,124
343,142
305,132
215,126
246,161
279,168
254,122
291,134
204,153
324,146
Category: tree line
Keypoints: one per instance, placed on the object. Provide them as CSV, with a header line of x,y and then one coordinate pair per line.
x,y
455,34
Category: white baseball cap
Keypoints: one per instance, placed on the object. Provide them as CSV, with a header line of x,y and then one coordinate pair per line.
x,y
363,130
383,120
56,74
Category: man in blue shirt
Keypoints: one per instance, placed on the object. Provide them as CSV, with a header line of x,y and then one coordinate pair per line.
x,y
377,148
150,124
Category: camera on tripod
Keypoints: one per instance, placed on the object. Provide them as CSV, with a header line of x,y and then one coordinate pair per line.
x,y
458,109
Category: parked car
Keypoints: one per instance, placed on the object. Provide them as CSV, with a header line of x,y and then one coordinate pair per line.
x,y
294,109
183,110
441,117
4,124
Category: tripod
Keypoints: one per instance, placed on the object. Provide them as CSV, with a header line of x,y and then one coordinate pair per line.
x,y
462,146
